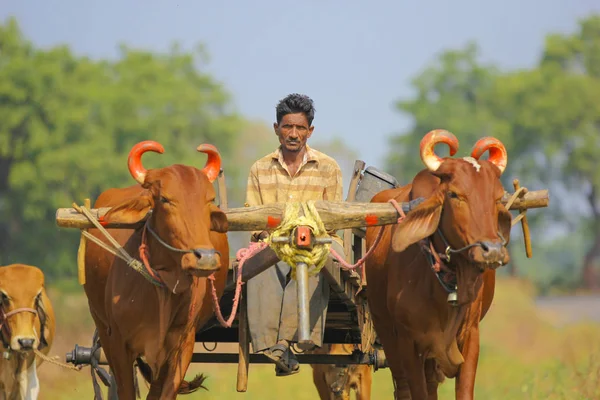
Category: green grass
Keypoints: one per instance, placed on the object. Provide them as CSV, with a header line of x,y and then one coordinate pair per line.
x,y
523,356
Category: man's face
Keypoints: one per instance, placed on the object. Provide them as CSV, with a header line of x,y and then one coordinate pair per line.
x,y
293,131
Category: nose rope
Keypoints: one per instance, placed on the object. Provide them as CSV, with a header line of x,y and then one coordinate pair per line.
x,y
449,250
145,256
168,246
5,328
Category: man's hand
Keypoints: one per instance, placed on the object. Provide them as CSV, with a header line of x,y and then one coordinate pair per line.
x,y
260,236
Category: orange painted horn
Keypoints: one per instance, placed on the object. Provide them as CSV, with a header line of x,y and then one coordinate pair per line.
x,y
498,154
134,161
430,159
213,163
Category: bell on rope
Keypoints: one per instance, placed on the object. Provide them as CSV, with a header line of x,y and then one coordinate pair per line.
x,y
453,297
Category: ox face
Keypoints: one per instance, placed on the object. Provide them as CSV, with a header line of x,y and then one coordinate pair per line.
x,y
472,213
181,201
463,209
20,305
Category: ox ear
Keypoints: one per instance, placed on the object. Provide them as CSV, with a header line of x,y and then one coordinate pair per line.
x,y
218,219
43,316
419,223
504,222
131,211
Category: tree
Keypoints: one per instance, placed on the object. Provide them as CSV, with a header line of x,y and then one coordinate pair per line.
x,y
564,113
67,124
453,94
548,118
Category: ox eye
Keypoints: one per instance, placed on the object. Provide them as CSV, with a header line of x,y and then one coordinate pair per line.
x,y
452,195
164,200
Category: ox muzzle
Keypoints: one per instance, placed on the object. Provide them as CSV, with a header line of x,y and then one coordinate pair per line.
x,y
486,254
23,338
198,261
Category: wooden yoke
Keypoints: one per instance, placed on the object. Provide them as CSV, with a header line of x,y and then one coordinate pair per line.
x,y
335,215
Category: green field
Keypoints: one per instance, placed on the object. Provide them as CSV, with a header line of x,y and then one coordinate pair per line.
x,y
523,356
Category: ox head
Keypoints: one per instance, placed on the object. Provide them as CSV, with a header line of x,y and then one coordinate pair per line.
x,y
21,307
181,201
463,203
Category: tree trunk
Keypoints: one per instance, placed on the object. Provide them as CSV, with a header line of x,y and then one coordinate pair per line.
x,y
589,275
5,164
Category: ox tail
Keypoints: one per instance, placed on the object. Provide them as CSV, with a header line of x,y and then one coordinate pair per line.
x,y
186,387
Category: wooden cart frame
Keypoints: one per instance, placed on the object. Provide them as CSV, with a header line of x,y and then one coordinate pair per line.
x,y
348,317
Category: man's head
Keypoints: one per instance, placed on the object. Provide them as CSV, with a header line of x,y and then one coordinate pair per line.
x,y
295,114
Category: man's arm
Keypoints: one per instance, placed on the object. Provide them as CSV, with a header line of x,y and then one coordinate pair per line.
x,y
334,191
253,198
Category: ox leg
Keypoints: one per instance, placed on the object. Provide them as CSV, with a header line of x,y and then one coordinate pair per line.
x,y
320,381
413,365
433,378
121,364
172,374
393,354
465,380
364,388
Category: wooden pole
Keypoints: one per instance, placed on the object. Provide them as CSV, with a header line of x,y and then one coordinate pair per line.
x,y
359,165
244,345
81,251
524,223
335,215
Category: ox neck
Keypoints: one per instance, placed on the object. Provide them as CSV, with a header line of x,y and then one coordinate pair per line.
x,y
160,265
454,271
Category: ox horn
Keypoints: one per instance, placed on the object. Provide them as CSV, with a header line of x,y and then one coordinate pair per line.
x,y
498,154
134,161
432,160
213,163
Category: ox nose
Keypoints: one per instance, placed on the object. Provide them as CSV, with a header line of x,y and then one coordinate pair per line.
x,y
206,260
492,251
200,253
26,343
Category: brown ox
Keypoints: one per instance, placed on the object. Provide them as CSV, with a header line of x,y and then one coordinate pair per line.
x,y
26,323
424,337
185,243
335,383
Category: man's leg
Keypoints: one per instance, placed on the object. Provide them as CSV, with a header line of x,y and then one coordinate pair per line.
x,y
264,298
318,293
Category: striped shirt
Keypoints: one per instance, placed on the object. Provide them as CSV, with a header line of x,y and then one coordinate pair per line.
x,y
318,178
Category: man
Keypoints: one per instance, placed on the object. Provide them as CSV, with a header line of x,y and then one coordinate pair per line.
x,y
293,172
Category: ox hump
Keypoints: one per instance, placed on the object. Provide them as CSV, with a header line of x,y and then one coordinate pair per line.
x,y
473,162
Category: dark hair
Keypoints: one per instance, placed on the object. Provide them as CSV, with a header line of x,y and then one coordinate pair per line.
x,y
296,103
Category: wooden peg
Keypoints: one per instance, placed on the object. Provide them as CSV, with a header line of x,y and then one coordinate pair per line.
x,y
524,223
81,250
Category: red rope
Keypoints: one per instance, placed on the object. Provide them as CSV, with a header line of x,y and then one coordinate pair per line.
x,y
143,249
242,255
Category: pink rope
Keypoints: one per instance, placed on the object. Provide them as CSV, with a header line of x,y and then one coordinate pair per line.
x,y
245,253
346,265
242,255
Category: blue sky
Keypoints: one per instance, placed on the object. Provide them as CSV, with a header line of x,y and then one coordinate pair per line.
x,y
354,58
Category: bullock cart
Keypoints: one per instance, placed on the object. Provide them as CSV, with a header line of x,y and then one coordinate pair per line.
x,y
348,317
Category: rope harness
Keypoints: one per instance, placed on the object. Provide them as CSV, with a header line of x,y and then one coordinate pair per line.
x,y
5,332
438,261
315,257
5,335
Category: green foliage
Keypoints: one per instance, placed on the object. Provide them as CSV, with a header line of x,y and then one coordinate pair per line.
x,y
548,118
67,124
